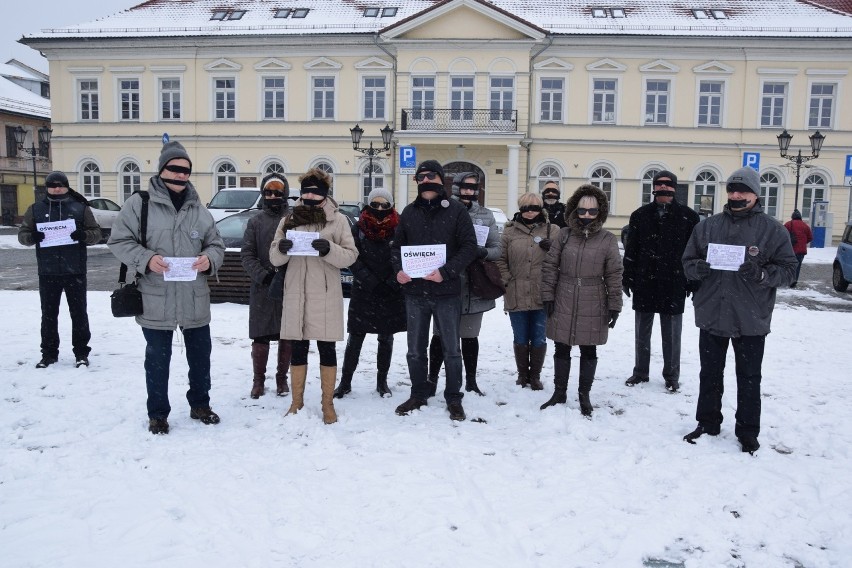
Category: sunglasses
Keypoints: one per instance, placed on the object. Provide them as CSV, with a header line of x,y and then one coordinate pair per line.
x,y
273,192
380,205
583,211
663,183
178,170
426,175
55,184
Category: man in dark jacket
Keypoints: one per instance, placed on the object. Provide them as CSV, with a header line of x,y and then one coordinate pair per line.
x,y
61,267
734,305
432,219
653,272
555,210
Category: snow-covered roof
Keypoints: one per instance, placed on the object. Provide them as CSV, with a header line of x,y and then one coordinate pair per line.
x,y
17,99
801,18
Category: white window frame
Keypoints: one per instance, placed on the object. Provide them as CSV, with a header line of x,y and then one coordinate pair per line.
x,y
601,182
670,98
264,90
333,90
219,176
379,174
424,111
562,92
616,99
215,91
501,115
119,96
96,102
773,96
544,179
462,116
722,101
161,92
704,184
132,178
810,191
362,80
91,180
646,186
766,194
834,106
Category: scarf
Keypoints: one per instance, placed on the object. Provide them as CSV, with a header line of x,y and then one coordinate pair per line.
x,y
304,215
378,229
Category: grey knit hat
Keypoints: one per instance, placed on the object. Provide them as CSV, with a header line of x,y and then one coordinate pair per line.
x,y
172,151
744,179
380,192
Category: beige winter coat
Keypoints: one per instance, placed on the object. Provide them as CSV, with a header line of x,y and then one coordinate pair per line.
x,y
520,263
313,296
582,274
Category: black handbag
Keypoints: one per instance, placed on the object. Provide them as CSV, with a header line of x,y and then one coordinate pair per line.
x,y
485,280
126,300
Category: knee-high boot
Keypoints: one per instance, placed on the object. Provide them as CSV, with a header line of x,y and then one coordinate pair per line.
x,y
522,362
470,358
285,351
298,374
587,377
259,358
436,359
561,370
383,361
327,377
537,355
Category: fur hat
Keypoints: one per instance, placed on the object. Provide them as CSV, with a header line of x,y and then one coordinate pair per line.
x,y
587,190
380,192
744,179
431,166
172,151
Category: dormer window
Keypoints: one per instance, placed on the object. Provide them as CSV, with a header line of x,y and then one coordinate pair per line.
x,y
598,13
371,12
283,13
300,12
389,12
227,14
701,14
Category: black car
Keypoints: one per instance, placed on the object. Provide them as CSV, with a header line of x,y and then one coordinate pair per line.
x,y
233,283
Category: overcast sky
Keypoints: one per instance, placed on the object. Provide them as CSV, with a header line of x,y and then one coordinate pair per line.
x,y
22,17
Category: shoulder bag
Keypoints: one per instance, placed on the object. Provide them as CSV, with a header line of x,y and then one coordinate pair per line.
x,y
126,300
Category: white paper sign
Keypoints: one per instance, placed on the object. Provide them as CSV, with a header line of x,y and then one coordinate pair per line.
x,y
180,269
481,234
302,243
725,257
57,233
422,260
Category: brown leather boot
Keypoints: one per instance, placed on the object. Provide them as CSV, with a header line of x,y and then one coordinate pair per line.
x,y
285,351
259,357
537,355
298,374
522,361
327,377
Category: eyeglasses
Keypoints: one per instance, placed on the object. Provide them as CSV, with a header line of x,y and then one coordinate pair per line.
x,y
273,192
583,211
426,175
663,183
55,184
178,170
380,205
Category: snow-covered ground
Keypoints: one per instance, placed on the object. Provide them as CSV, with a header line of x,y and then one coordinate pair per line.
x,y
83,483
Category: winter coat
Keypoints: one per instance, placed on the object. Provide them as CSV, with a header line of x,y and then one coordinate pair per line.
x,y
264,312
472,304
652,257
800,233
726,304
313,296
582,275
556,213
520,263
190,232
376,304
450,225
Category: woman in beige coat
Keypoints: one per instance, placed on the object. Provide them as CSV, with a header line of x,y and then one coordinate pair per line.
x,y
581,291
313,297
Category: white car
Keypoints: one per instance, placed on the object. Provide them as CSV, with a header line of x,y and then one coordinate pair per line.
x,y
500,217
105,212
230,200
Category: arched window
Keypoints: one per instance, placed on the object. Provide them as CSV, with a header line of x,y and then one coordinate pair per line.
x,y
273,168
705,192
602,178
546,174
769,194
327,168
378,179
130,181
91,180
226,176
648,185
814,191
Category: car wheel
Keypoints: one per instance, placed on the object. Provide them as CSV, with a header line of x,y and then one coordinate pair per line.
x,y
840,283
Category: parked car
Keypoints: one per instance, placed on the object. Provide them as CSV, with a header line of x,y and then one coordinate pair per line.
x,y
351,209
230,200
105,212
500,217
841,274
233,283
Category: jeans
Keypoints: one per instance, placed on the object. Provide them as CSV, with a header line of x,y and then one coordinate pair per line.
x,y
158,355
748,356
446,311
528,327
799,259
670,329
50,290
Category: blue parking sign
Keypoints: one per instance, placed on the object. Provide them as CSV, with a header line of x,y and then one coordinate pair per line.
x,y
407,159
751,160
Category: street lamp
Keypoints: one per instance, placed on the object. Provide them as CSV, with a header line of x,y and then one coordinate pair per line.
x,y
44,134
784,140
370,152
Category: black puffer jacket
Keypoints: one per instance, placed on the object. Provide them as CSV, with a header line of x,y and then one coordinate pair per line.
x,y
556,214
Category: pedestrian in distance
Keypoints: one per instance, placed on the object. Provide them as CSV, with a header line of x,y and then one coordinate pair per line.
x,y
735,306
179,227
265,309
61,267
581,291
555,209
653,272
800,237
313,296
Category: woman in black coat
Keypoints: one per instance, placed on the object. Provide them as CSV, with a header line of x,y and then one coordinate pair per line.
x,y
265,312
376,304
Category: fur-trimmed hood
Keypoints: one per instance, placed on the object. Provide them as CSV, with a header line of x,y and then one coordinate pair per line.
x,y
584,190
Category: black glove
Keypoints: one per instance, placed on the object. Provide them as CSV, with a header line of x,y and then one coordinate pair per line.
x,y
613,317
545,244
751,272
38,236
321,245
481,253
284,245
267,280
78,235
625,285
549,307
702,267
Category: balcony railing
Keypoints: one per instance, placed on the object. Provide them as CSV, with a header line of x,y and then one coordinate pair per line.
x,y
457,120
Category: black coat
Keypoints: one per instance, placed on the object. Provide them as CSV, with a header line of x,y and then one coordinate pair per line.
x,y
264,313
652,257
556,214
376,304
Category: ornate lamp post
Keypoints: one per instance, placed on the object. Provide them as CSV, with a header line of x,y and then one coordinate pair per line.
x,y
784,140
370,152
44,134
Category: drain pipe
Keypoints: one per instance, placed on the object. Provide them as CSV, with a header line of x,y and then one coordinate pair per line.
x,y
527,142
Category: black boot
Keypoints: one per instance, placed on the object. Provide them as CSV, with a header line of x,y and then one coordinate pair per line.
x,y
749,444
522,362
587,377
350,363
436,359
470,357
383,361
698,432
561,370
537,355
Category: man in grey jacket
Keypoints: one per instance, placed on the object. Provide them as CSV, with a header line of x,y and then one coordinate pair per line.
x,y
179,227
735,306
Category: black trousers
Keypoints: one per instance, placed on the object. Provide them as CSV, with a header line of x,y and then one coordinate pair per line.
x,y
50,290
748,357
671,326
